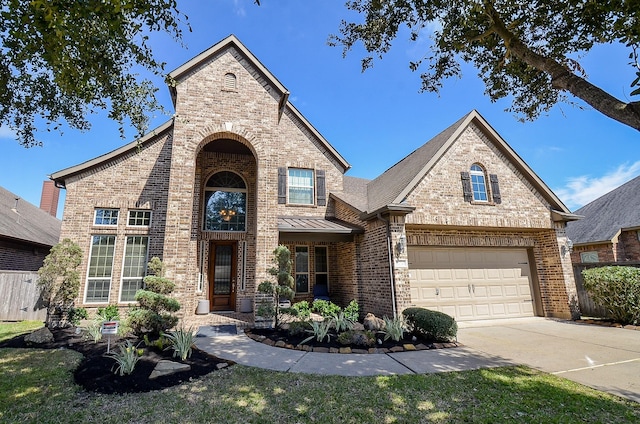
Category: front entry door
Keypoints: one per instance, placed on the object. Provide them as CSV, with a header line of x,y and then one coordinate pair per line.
x,y
222,276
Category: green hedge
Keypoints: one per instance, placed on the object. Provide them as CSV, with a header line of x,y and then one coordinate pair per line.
x,y
617,289
434,325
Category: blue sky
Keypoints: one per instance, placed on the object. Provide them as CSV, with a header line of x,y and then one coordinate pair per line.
x,y
373,118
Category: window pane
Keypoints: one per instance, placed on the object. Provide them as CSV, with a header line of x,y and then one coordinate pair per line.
x,y
225,211
100,267
321,259
134,268
302,283
139,218
302,269
302,259
301,186
106,217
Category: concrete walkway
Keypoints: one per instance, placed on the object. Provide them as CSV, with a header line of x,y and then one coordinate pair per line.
x,y
605,358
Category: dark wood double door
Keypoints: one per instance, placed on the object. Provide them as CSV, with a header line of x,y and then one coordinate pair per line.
x,y
222,275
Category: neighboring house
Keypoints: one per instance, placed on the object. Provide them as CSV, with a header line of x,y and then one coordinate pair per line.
x,y
27,233
461,225
610,229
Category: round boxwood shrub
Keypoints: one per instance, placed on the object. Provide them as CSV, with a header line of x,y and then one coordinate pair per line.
x,y
433,325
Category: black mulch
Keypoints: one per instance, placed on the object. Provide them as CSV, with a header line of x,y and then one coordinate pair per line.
x,y
294,340
95,372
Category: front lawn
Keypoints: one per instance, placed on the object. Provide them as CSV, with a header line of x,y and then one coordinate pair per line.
x,y
37,386
9,330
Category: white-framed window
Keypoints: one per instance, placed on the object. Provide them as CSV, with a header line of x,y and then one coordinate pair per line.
x,y
302,269
478,183
100,269
300,186
108,217
139,218
225,203
589,257
134,267
321,265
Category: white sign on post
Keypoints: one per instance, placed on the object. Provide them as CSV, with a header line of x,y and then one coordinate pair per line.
x,y
109,327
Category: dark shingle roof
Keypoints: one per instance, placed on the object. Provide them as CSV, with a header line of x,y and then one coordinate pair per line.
x,y
20,220
605,216
387,187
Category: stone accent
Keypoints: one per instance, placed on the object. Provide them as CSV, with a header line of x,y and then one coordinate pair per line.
x,y
165,367
40,336
373,323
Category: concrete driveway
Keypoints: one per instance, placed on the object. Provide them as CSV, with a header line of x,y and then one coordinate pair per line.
x,y
604,358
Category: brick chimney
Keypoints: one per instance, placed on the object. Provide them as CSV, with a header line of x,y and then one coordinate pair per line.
x,y
49,199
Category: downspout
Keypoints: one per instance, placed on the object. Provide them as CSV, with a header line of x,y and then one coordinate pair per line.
x,y
391,269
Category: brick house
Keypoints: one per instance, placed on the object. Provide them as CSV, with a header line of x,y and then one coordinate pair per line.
x,y
610,229
27,232
461,225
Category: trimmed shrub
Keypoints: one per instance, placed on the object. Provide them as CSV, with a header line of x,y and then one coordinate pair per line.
x,y
433,325
326,308
352,311
617,289
154,313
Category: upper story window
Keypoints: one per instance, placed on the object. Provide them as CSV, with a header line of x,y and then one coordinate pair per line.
x,y
478,183
476,189
225,203
139,218
300,186
106,217
300,183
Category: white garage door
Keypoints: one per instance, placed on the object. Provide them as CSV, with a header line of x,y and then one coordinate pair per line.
x,y
471,283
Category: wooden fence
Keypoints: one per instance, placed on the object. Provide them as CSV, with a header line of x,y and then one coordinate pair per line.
x,y
20,297
588,307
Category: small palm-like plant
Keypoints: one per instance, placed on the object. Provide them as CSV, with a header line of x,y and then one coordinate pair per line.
x,y
319,330
394,328
181,342
127,358
342,322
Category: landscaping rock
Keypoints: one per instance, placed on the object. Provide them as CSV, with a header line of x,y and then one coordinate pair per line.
x,y
321,349
345,350
397,349
409,346
167,368
358,326
361,351
334,350
40,336
373,323
222,365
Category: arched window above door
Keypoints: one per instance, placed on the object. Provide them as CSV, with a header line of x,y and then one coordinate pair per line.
x,y
225,202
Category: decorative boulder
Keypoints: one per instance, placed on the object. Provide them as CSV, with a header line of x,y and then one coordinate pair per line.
x,y
38,337
373,323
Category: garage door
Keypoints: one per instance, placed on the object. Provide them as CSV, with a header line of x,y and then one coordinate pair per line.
x,y
471,283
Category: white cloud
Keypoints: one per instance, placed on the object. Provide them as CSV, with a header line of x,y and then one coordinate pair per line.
x,y
239,8
581,190
6,132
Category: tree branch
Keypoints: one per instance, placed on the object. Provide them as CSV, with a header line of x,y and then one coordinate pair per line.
x,y
562,78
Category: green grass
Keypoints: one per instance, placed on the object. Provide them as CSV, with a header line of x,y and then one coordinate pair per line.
x,y
9,330
37,387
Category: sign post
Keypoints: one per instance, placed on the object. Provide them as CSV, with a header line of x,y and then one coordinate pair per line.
x,y
109,328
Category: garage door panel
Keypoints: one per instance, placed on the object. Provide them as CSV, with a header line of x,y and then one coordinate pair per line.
x,y
447,293
471,283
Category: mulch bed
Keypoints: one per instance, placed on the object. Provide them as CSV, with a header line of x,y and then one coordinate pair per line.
x,y
95,372
281,338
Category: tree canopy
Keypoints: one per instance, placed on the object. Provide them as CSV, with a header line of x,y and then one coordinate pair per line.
x,y
529,50
64,59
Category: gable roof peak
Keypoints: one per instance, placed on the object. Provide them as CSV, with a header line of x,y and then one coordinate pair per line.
x,y
397,182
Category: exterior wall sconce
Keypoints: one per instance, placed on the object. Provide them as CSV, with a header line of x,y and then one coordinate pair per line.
x,y
401,245
566,248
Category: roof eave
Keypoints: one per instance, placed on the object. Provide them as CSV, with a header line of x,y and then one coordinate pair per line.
x,y
558,216
394,208
59,177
